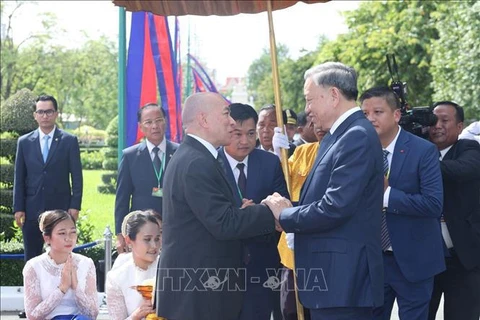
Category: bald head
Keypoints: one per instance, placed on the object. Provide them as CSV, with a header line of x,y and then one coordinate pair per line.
x,y
206,114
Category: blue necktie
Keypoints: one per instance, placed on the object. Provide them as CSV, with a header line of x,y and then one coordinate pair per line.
x,y
385,237
45,148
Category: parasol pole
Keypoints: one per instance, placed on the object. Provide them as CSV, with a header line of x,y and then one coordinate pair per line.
x,y
278,112
276,90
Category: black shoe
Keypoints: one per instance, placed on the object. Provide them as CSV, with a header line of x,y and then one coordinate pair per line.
x,y
22,315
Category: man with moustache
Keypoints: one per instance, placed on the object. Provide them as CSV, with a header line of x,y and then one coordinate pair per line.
x,y
200,275
412,201
337,222
141,170
460,222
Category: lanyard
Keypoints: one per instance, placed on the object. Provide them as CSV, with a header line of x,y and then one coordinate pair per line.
x,y
162,169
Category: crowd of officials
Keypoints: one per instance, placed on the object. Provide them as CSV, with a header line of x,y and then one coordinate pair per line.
x,y
373,213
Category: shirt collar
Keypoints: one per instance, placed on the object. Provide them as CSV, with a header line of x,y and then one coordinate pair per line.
x,y
233,163
206,144
162,146
391,147
444,152
342,118
41,134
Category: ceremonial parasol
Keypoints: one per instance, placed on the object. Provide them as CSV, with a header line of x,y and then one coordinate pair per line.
x,y
227,8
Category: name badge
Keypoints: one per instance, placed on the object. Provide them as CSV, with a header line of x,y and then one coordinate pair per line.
x,y
157,192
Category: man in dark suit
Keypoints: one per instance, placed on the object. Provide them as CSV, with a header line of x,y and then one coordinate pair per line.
x,y
337,222
460,166
412,202
47,159
255,174
141,170
201,273
305,130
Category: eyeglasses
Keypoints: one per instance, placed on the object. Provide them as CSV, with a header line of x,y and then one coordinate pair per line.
x,y
48,112
149,123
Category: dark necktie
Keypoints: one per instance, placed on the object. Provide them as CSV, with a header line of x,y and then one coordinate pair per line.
x,y
385,237
156,160
242,179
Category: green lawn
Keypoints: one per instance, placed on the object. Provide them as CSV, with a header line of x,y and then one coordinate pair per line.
x,y
98,206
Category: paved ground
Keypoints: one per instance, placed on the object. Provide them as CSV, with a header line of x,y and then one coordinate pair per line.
x,y
104,316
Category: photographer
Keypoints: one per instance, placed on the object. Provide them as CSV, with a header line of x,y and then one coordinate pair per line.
x,y
460,166
413,197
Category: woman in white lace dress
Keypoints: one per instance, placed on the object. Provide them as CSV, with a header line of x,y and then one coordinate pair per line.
x,y
60,284
142,234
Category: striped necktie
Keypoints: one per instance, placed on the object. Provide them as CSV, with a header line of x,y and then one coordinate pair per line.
x,y
385,237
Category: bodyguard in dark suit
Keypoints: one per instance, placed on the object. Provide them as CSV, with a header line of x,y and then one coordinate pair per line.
x,y
412,201
460,166
337,222
141,170
255,174
47,159
201,273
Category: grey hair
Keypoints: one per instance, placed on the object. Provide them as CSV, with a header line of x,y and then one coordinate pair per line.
x,y
335,74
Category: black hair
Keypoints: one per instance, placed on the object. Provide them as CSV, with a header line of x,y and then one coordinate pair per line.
x,y
49,219
382,92
146,106
137,219
459,114
241,112
46,98
302,119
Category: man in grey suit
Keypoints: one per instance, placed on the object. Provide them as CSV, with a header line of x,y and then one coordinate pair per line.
x,y
141,170
47,159
200,273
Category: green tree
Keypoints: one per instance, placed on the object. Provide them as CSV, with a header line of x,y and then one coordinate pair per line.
x,y
456,55
260,83
405,28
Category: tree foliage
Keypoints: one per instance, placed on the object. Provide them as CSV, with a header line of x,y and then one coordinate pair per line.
x,y
405,28
83,79
456,55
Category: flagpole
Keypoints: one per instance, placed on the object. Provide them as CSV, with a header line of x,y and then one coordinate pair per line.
x,y
188,80
278,111
122,49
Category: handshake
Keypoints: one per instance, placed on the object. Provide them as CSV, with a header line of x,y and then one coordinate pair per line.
x,y
277,203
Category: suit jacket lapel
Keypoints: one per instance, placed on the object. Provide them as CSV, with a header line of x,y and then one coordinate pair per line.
x,y
400,153
36,145
328,141
253,174
230,177
200,147
57,138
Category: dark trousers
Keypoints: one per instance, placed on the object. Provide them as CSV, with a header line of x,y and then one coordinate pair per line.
x,y
461,290
413,298
288,302
259,303
32,239
341,314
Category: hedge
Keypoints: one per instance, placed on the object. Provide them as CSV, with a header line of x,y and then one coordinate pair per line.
x,y
108,178
8,147
17,112
6,174
6,198
92,160
110,164
6,225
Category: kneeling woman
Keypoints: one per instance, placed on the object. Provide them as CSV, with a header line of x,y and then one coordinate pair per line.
x,y
142,234
60,284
